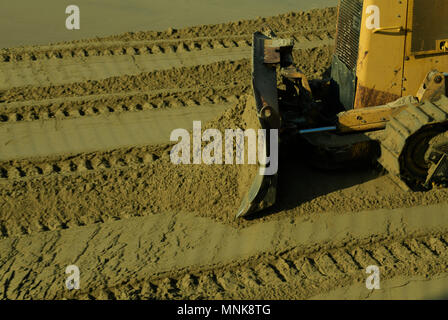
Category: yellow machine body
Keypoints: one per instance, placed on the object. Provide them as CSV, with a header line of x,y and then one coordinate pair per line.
x,y
400,42
388,93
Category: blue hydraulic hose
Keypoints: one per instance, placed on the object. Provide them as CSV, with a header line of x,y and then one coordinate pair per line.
x,y
318,130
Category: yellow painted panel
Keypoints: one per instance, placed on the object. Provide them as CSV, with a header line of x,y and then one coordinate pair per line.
x,y
381,52
418,64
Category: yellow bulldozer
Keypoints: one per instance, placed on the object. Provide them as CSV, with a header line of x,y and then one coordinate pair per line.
x,y
386,98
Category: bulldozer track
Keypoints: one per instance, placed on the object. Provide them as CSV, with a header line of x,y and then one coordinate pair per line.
x,y
151,47
292,276
29,169
82,174
324,18
217,74
31,139
289,23
81,106
406,124
201,76
101,67
300,269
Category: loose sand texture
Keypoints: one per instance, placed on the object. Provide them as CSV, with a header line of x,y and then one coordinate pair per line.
x,y
182,256
24,22
86,177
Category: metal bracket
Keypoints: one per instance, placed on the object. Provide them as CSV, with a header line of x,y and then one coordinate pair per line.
x,y
273,49
433,87
438,173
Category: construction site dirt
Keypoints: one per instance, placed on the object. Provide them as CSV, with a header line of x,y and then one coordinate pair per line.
x,y
86,179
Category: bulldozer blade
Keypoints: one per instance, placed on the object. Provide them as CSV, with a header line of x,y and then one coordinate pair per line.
x,y
262,192
261,195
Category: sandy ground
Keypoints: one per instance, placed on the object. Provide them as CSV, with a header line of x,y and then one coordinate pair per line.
x,y
100,133
24,23
400,288
298,254
86,179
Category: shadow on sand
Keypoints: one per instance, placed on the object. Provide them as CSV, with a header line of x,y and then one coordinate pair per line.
x,y
300,182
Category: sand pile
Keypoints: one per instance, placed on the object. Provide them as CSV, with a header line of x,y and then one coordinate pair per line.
x,y
96,187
